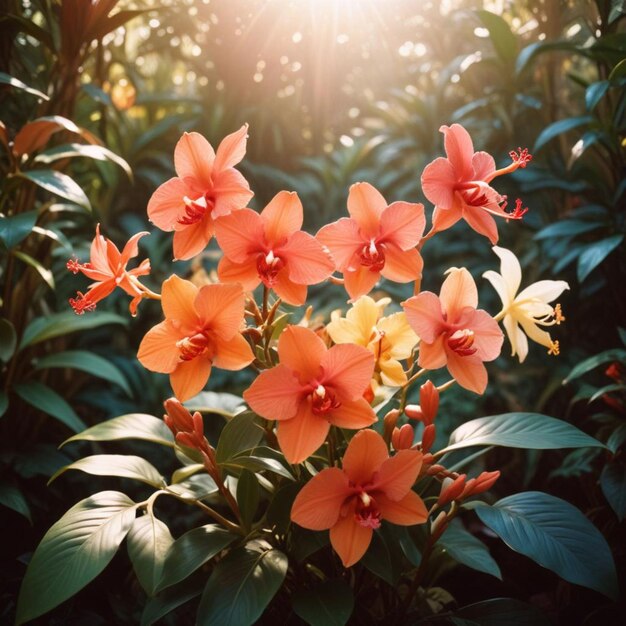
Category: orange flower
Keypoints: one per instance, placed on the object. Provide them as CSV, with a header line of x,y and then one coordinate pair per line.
x,y
375,240
271,248
312,388
459,187
352,501
207,187
107,266
453,332
201,329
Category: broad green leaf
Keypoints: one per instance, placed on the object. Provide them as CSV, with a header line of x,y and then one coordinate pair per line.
x,y
58,324
619,71
44,272
85,362
613,483
195,487
248,495
567,228
240,433
131,426
30,28
15,228
184,473
595,253
45,399
520,430
307,542
5,79
378,560
501,612
327,604
504,41
68,151
8,340
226,404
558,128
241,586
59,184
463,547
531,51
191,551
556,535
171,598
595,92
42,459
616,438
608,356
74,551
148,541
607,389
12,497
258,464
617,10
122,465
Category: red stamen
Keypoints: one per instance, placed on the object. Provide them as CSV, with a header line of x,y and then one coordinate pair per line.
x,y
81,304
518,212
373,256
323,401
74,266
462,341
522,157
367,513
268,266
191,347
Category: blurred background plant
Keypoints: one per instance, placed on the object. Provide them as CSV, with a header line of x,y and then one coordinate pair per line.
x,y
94,95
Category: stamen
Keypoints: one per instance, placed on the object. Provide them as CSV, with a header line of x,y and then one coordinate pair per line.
x,y
191,347
558,315
267,266
74,266
521,158
554,348
462,341
195,210
367,513
82,304
373,256
322,401
518,212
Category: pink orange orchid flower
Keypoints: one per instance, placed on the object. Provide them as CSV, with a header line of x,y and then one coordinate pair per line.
x,y
107,267
201,330
271,248
375,240
312,388
352,501
206,187
459,186
453,332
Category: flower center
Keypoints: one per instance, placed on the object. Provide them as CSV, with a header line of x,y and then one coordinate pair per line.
x,y
322,400
268,265
195,210
367,513
372,255
191,347
461,341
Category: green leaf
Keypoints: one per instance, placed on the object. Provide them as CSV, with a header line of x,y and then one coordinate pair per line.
x,y
45,399
183,473
567,228
41,459
240,433
44,272
619,71
59,184
68,151
148,541
74,551
556,535
8,340
539,47
616,438
241,586
595,253
248,495
14,229
58,324
608,356
166,601
12,497
5,79
503,39
558,128
4,402
85,362
378,560
519,430
463,547
131,426
595,92
122,465
194,488
502,612
258,464
191,551
328,604
613,483
226,404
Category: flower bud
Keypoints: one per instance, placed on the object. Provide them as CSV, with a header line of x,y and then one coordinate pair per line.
x,y
414,412
402,438
451,489
389,423
433,470
439,523
428,438
482,483
178,418
429,402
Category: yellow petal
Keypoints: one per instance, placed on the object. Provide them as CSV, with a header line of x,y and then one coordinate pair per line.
x,y
342,330
391,372
400,339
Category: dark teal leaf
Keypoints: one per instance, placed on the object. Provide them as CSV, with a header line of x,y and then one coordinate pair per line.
x,y
44,272
595,92
558,128
59,184
503,612
595,253
608,356
8,340
12,497
613,483
539,47
503,39
4,402
15,228
248,496
5,79
240,433
327,604
258,464
616,438
171,598
567,228
378,560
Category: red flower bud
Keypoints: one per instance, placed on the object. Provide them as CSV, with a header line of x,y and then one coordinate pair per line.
x,y
428,438
402,438
429,402
389,423
479,484
414,412
178,418
451,489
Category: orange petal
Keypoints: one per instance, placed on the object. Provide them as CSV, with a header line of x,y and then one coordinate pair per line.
x,y
445,218
457,292
484,166
244,273
240,235
402,266
301,350
190,377
402,224
308,263
193,239
459,149
482,222
231,191
157,350
365,206
300,436
166,205
407,511
398,474
98,254
468,371
318,504
233,354
282,217
221,307
348,368
193,158
275,394
432,356
350,540
231,149
289,291
488,337
131,249
177,300
360,281
353,414
364,456
423,312
343,240
438,181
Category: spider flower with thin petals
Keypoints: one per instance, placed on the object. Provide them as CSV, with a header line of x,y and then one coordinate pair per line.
x,y
525,313
207,186
107,267
312,388
353,501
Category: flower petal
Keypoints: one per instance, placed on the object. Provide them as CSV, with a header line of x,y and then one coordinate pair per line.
x,y
190,377
306,259
302,351
300,436
365,206
407,511
353,414
398,474
482,222
445,218
510,270
318,504
391,372
233,354
402,224
231,149
457,292
166,205
499,283
275,394
193,158
459,150
221,307
193,239
289,291
360,281
399,334
484,166
342,238
282,217
468,371
177,300
488,337
544,290
157,350
517,338
432,356
424,314
438,180
350,540
244,273
231,192
240,235
364,456
348,369
402,266
131,249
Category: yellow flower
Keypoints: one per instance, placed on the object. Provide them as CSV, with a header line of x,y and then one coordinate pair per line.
x,y
529,308
389,338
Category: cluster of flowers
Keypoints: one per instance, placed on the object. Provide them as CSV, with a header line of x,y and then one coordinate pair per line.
x,y
315,377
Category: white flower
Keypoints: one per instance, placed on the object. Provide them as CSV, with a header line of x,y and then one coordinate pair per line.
x,y
528,309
